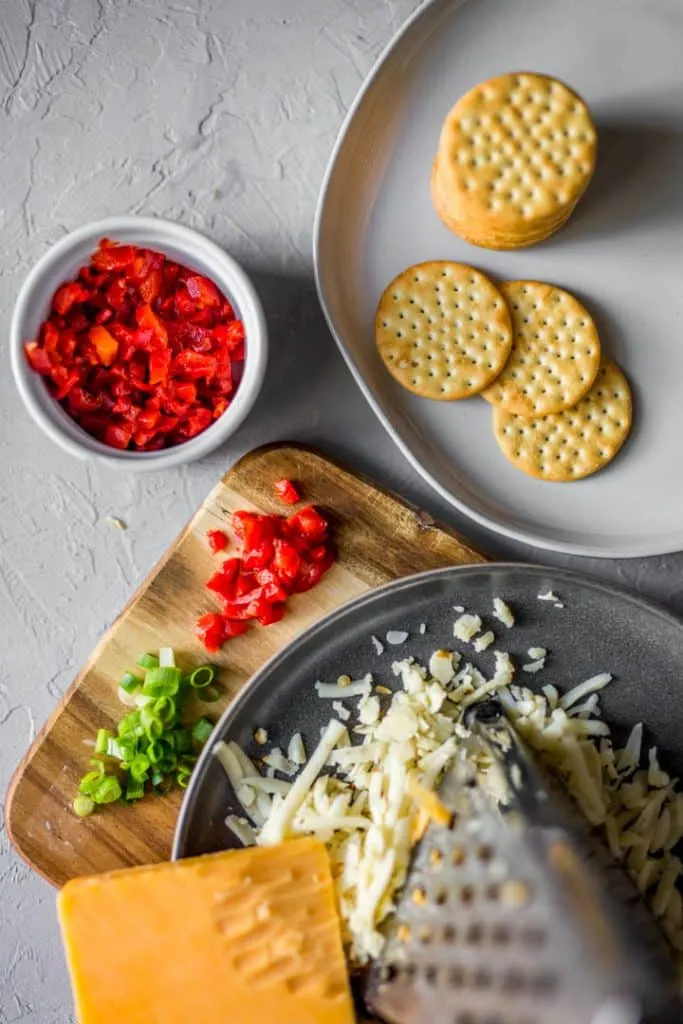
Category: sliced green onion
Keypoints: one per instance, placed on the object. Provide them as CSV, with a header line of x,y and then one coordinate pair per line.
x,y
128,723
153,726
202,676
166,764
167,657
89,783
183,777
155,752
130,683
103,737
182,740
142,700
135,789
209,694
201,730
162,682
139,766
148,661
108,791
165,709
118,749
128,748
126,698
83,806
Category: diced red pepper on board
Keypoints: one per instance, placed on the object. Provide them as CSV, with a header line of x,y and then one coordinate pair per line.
x,y
278,556
286,491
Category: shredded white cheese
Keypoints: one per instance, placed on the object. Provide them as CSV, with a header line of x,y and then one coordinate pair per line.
x,y
484,641
395,637
466,627
377,644
503,612
356,797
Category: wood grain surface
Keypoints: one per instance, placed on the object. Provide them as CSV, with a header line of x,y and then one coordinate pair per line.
x,y
379,538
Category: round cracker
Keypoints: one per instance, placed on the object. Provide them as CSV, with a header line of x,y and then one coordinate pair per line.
x,y
556,354
572,444
515,152
473,234
443,330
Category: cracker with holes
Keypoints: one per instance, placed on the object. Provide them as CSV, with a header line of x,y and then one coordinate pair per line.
x,y
575,443
556,353
515,155
443,330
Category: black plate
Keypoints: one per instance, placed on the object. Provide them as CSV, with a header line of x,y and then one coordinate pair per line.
x,y
599,629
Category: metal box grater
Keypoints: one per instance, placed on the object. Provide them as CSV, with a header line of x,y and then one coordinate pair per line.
x,y
514,914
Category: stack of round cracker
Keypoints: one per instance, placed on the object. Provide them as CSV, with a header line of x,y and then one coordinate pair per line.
x,y
515,155
561,410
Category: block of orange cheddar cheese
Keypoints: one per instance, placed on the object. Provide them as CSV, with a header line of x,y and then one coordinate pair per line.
x,y
246,937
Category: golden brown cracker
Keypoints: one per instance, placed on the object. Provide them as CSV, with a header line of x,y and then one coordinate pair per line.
x,y
443,330
556,353
575,443
515,155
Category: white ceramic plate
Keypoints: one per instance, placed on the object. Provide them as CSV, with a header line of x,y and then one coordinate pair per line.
x,y
620,253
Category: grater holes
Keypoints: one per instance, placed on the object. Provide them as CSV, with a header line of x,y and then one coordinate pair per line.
x,y
533,937
418,896
466,895
475,933
435,859
449,933
388,973
485,854
513,982
545,984
514,893
430,974
458,856
455,977
441,897
481,978
500,936
425,935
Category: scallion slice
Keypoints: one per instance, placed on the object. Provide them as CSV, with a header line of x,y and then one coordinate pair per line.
x,y
182,740
209,694
149,743
201,730
130,683
202,676
165,709
148,661
135,789
101,743
83,806
162,682
108,790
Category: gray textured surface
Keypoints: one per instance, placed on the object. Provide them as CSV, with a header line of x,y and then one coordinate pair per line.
x,y
220,114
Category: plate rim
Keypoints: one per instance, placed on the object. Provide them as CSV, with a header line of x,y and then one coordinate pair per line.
x,y
642,549
558,575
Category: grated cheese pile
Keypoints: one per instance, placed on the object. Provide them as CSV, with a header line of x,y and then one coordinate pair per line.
x,y
357,797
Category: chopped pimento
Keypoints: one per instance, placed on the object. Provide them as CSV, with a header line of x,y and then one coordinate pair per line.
x,y
286,491
217,540
140,351
278,556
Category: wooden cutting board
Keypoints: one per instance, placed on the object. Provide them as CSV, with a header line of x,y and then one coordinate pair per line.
x,y
379,538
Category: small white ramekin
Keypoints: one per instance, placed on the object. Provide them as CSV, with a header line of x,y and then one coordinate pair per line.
x,y
180,243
